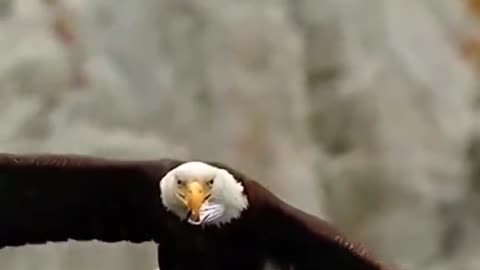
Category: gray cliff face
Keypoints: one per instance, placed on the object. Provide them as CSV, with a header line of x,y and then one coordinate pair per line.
x,y
362,112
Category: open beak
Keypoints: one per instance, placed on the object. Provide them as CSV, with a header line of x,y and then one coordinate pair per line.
x,y
196,195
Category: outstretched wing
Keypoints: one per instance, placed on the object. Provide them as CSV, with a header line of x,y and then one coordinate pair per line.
x,y
61,197
294,238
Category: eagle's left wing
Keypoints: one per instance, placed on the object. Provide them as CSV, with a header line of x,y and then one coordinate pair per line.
x,y
293,238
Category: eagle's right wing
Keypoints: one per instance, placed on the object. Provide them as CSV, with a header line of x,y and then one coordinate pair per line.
x,y
59,197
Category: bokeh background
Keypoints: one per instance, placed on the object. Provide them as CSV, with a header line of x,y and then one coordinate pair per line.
x,y
365,113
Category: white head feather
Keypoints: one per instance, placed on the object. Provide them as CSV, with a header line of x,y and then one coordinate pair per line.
x,y
226,192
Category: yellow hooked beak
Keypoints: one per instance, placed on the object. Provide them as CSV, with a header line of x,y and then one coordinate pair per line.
x,y
196,194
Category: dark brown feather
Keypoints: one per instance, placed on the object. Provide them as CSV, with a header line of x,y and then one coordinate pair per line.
x,y
60,197
293,238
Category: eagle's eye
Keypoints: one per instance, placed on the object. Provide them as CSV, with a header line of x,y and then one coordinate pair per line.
x,y
210,183
179,182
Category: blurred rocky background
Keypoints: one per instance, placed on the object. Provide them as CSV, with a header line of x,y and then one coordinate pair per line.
x,y
365,113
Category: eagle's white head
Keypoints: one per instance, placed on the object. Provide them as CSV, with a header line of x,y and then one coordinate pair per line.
x,y
203,194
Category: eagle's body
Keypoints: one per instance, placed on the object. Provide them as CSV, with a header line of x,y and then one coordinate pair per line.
x,y
188,247
60,197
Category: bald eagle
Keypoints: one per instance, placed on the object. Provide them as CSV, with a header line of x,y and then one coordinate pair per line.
x,y
203,215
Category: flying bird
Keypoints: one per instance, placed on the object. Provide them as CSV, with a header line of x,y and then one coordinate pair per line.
x,y
202,215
